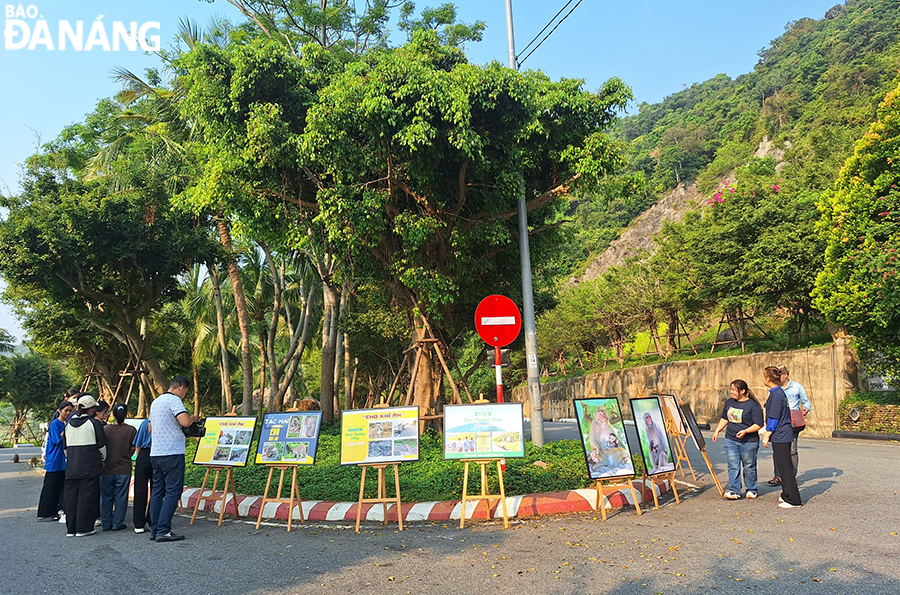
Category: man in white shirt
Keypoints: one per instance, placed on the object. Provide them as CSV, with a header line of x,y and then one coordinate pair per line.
x,y
167,418
797,400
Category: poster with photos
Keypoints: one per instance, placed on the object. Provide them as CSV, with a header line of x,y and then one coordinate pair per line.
x,y
486,431
673,410
289,438
606,448
382,435
227,441
652,436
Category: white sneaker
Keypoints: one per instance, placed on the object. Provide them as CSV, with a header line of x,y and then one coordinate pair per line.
x,y
62,519
86,533
97,523
780,499
788,505
729,495
751,495
70,535
139,530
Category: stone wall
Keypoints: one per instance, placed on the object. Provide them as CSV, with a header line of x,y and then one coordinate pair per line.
x,y
872,418
828,374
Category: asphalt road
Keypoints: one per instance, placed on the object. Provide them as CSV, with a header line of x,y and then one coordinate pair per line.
x,y
844,540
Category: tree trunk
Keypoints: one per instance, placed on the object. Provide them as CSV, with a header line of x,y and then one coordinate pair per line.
x,y
224,367
240,304
196,384
348,374
426,392
329,340
673,331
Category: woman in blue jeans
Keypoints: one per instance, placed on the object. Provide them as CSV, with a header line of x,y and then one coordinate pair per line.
x,y
742,419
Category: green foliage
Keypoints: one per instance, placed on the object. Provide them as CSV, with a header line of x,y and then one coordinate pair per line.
x,y
870,398
32,384
859,286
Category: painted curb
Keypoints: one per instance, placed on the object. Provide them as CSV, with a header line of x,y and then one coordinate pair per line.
x,y
529,505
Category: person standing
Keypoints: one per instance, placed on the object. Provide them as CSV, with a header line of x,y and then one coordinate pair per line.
x,y
85,444
167,418
116,471
798,401
742,419
780,433
143,476
51,502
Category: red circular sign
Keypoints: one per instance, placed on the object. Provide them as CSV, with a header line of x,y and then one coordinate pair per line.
x,y
497,320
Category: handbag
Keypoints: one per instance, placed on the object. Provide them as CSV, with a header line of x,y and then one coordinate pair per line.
x,y
798,422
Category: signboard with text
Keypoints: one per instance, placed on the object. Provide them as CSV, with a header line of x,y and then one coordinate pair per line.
x,y
485,431
290,438
382,435
227,441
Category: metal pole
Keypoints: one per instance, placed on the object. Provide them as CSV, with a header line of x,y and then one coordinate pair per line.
x,y
534,379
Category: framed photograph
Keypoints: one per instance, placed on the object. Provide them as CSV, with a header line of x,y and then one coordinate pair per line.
x,y
227,441
692,425
290,438
485,431
382,435
606,449
652,436
673,410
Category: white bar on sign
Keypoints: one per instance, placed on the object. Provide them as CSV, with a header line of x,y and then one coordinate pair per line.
x,y
497,320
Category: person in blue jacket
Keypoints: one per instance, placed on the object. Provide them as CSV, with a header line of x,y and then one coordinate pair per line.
x,y
143,476
50,502
780,434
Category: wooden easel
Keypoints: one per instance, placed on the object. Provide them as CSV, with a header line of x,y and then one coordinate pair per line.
x,y
295,495
382,497
483,463
679,442
605,484
229,480
657,480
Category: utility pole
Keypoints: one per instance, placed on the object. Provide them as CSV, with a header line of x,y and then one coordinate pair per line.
x,y
534,378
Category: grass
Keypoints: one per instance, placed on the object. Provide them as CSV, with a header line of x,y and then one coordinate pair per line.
x,y
431,478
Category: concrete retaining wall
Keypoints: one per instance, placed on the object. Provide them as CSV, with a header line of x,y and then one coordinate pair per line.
x,y
828,374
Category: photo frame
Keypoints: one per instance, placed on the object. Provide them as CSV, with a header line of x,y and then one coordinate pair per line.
x,y
673,410
485,431
227,441
607,452
289,438
656,448
380,435
693,426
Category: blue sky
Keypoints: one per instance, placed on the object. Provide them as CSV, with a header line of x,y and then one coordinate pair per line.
x,y
657,47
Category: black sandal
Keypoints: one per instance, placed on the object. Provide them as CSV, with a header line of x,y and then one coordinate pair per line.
x,y
775,481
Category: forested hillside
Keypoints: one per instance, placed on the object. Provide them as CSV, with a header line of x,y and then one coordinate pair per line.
x,y
753,249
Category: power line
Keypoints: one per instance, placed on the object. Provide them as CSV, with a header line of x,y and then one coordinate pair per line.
x,y
547,25
522,61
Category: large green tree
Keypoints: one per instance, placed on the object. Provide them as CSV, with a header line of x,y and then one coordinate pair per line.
x,y
110,247
859,285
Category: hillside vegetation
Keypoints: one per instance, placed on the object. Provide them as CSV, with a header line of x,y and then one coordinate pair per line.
x,y
756,245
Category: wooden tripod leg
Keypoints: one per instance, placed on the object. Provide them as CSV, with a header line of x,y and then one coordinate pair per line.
x,y
502,495
397,489
200,495
362,488
228,479
465,491
295,497
712,472
382,494
262,504
637,505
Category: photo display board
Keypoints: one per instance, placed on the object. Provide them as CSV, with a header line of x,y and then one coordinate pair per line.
x,y
654,440
227,441
670,404
692,425
383,435
606,448
486,431
290,438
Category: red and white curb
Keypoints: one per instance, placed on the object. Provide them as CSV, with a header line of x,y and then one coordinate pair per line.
x,y
516,506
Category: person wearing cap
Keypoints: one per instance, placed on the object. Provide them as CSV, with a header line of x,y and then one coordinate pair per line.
x,y
167,418
797,400
50,502
85,445
116,471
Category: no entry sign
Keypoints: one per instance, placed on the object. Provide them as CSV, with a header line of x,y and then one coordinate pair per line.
x,y
497,320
